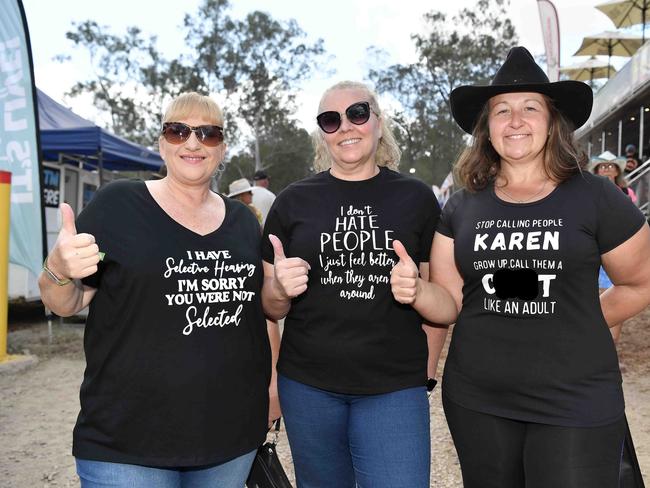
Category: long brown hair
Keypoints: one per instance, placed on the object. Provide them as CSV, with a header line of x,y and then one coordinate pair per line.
x,y
479,163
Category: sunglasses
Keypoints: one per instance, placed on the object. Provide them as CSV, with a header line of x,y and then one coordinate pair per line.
x,y
177,133
607,165
357,113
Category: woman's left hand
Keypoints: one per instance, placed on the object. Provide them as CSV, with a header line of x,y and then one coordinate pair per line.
x,y
404,278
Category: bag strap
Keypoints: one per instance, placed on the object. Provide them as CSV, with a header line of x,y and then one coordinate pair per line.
x,y
276,430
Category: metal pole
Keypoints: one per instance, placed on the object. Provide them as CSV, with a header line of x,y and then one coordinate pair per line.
x,y
5,206
640,156
609,57
602,142
620,138
100,168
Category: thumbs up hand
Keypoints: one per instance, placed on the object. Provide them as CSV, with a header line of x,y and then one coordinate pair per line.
x,y
291,274
73,255
404,278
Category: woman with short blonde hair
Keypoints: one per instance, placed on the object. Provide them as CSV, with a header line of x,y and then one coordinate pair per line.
x,y
175,391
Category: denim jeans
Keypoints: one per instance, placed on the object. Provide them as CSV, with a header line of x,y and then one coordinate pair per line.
x,y
364,441
100,474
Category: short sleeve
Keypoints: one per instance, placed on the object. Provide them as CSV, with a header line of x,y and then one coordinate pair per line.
x,y
618,218
432,215
445,226
274,225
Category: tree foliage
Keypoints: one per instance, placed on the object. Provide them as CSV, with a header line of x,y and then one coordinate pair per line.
x,y
255,63
466,49
258,61
131,79
286,151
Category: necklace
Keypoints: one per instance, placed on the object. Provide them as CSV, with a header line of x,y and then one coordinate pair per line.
x,y
517,200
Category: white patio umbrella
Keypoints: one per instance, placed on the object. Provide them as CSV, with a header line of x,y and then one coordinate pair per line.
x,y
626,13
609,43
588,70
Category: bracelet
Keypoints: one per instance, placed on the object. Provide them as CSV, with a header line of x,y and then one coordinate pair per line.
x,y
53,277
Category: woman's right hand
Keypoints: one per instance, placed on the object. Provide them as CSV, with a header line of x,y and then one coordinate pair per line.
x,y
291,274
405,276
74,255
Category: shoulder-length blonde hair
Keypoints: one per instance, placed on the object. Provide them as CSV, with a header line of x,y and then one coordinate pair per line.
x,y
479,163
388,153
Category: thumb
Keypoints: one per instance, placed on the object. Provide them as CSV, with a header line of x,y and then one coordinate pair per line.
x,y
401,252
278,249
67,219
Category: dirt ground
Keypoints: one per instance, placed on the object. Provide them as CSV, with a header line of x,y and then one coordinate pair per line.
x,y
39,405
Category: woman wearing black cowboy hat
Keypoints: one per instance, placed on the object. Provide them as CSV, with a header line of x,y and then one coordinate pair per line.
x,y
532,388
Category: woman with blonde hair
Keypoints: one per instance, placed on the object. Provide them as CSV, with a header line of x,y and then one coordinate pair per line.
x,y
175,392
352,371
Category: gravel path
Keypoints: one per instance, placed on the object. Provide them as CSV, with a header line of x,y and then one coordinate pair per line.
x,y
38,408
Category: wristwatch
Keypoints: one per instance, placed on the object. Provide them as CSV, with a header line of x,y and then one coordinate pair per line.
x,y
431,384
53,277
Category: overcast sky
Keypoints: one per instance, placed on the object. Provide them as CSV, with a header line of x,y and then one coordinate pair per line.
x,y
348,27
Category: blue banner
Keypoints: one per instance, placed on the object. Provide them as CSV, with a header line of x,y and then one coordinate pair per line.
x,y
19,150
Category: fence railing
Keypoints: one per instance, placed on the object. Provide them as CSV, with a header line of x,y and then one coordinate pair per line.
x,y
639,181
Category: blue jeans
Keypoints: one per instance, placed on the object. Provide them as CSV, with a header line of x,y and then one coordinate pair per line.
x,y
363,441
100,474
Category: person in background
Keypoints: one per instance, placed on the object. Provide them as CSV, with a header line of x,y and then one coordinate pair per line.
x,y
642,182
175,391
352,372
607,165
631,158
611,167
263,198
242,190
532,387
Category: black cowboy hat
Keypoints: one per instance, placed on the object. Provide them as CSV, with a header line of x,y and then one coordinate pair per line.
x,y
520,73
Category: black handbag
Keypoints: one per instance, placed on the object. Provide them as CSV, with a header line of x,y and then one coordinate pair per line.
x,y
630,476
267,470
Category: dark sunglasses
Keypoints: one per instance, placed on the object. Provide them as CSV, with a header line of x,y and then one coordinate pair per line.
x,y
178,132
357,113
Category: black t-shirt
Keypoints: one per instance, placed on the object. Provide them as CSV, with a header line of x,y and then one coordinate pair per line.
x,y
347,333
531,342
178,359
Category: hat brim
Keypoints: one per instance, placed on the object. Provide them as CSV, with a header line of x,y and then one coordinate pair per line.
x,y
239,192
573,98
596,161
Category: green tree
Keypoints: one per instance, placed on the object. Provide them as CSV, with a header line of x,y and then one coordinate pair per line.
x,y
466,49
286,151
131,79
258,61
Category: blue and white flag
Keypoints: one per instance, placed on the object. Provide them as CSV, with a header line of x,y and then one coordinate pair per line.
x,y
19,150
